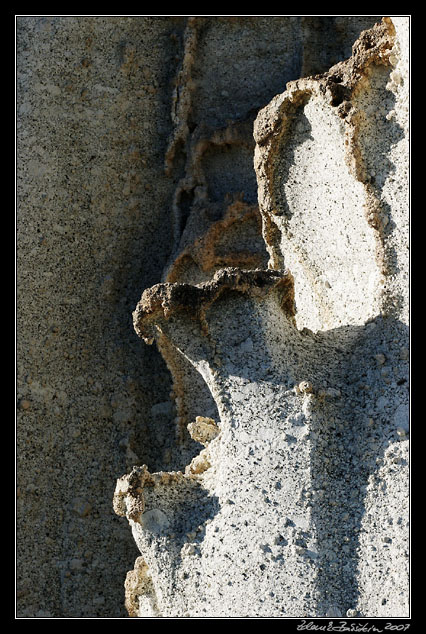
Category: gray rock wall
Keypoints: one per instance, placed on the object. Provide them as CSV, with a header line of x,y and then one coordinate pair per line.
x,y
93,227
135,166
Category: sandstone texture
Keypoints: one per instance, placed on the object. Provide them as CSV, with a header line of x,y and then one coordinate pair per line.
x,y
239,184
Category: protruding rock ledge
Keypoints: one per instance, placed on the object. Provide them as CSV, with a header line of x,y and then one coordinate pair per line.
x,y
163,300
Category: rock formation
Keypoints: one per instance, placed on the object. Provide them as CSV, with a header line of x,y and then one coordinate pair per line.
x,y
297,505
239,184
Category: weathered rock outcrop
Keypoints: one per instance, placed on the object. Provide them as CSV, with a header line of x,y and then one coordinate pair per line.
x,y
298,503
238,428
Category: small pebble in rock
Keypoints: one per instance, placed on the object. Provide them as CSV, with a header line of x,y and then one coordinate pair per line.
x,y
333,612
188,549
380,358
76,564
305,387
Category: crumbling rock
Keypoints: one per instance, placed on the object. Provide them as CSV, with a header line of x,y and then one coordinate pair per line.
x,y
139,592
163,300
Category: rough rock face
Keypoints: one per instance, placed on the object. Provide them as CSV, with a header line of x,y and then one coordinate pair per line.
x,y
298,503
264,434
342,122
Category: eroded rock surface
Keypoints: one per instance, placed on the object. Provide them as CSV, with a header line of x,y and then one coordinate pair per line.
x,y
135,167
298,503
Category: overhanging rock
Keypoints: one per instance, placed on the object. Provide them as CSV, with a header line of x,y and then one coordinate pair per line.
x,y
296,504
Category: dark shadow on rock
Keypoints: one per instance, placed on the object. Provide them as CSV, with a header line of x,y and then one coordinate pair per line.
x,y
347,449
367,368
297,131
329,39
179,515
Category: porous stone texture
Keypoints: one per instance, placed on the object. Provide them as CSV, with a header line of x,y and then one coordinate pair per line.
x,y
264,433
92,128
298,507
